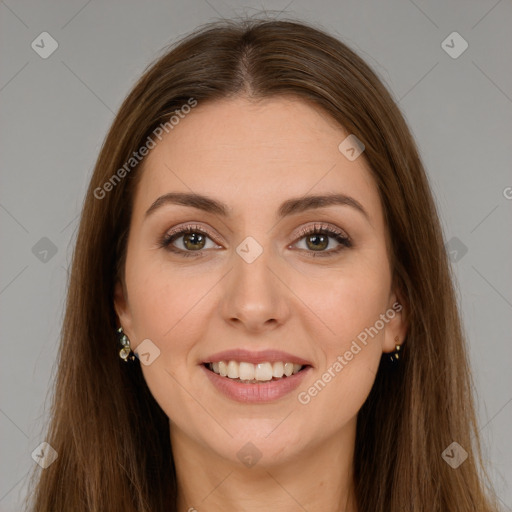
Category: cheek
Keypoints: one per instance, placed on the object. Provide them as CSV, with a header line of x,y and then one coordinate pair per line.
x,y
347,301
162,299
165,309
352,305
335,397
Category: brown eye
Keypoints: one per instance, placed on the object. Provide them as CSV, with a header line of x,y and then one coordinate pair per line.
x,y
194,240
318,238
317,241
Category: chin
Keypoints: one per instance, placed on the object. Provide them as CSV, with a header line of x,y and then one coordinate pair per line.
x,y
259,443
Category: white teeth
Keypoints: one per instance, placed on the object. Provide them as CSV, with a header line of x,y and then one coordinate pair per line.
x,y
233,372
278,370
245,371
223,369
263,371
254,372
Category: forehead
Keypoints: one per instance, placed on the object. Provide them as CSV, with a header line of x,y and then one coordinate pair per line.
x,y
255,154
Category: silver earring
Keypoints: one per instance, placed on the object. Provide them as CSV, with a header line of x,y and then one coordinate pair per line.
x,y
125,353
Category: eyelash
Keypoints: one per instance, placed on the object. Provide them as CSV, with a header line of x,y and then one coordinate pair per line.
x,y
318,229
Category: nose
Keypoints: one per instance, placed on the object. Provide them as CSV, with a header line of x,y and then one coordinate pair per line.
x,y
255,298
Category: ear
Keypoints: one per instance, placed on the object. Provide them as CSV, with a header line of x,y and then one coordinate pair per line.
x,y
122,309
397,325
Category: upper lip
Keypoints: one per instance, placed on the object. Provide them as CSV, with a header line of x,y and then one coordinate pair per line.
x,y
262,356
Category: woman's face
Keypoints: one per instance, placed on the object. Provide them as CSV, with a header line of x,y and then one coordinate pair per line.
x,y
250,285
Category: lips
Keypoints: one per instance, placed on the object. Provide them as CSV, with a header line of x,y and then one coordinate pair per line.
x,y
264,356
263,376
254,393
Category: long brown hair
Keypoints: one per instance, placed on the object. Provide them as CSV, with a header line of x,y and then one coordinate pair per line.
x,y
111,436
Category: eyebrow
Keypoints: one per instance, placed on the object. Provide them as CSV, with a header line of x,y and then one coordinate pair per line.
x,y
289,207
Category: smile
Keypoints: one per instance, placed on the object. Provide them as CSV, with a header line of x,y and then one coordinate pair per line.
x,y
258,384
250,373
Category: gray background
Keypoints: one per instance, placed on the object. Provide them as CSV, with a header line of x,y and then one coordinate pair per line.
x,y
55,113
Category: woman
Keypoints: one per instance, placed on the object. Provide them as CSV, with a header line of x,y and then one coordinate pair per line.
x,y
260,234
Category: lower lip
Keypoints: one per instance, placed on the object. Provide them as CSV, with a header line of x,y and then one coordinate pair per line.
x,y
265,392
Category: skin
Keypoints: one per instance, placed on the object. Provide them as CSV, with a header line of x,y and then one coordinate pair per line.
x,y
253,156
